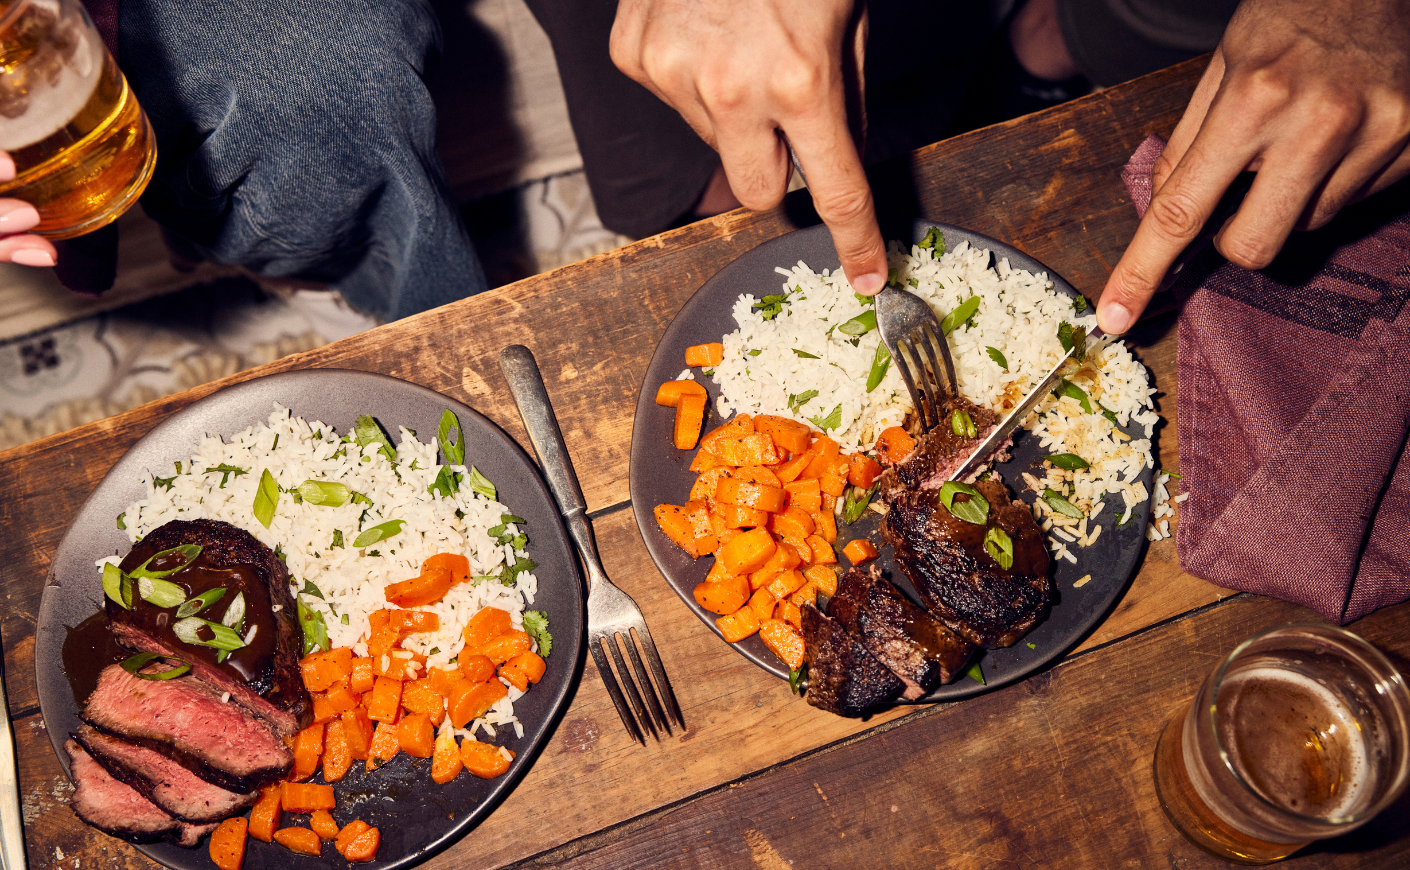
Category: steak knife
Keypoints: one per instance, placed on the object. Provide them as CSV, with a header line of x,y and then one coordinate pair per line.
x,y
1228,204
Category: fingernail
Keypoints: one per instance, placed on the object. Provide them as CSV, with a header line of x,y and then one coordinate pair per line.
x,y
32,257
1114,319
18,219
869,284
7,167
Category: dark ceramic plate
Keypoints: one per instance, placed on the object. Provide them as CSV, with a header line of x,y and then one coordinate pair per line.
x,y
417,818
660,474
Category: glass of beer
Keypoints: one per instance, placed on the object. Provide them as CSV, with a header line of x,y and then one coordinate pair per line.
x,y
1302,733
82,146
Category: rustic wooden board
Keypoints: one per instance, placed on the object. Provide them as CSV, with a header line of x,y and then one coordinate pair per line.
x,y
1054,771
593,326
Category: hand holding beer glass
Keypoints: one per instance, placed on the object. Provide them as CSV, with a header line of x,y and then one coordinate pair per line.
x,y
81,147
1301,734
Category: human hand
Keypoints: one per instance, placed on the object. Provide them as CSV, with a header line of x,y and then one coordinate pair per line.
x,y
742,72
16,216
1315,97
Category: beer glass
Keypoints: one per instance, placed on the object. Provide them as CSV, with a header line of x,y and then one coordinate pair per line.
x,y
82,146
1302,733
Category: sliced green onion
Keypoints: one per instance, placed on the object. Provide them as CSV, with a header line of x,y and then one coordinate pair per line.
x,y
859,325
235,613
1061,505
266,498
481,484
162,593
378,533
315,630
135,664
366,431
796,677
452,448
879,364
324,493
223,636
999,545
189,551
122,521
117,586
1068,461
976,673
193,606
962,424
966,310
975,510
855,504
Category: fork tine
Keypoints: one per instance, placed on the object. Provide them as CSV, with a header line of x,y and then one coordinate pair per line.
x,y
604,670
903,367
647,691
924,336
663,685
628,687
923,395
939,345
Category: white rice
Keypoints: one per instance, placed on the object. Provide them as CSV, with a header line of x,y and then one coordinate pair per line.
x,y
1019,313
352,581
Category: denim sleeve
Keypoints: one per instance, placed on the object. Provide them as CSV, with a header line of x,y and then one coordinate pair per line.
x,y
297,138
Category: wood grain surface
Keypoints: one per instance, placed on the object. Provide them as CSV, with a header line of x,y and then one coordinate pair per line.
x,y
1047,771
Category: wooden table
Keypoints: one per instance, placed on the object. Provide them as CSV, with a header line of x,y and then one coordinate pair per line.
x,y
1054,770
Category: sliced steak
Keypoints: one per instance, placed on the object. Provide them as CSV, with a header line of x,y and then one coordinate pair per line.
x,y
938,453
264,675
173,788
843,678
956,578
118,809
187,721
910,642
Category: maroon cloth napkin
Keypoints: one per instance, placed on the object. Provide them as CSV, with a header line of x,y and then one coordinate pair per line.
x,y
1294,407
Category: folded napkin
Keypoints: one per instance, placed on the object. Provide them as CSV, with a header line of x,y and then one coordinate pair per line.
x,y
1294,408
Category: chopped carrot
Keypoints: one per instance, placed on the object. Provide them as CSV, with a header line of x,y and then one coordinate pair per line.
x,y
474,667
762,603
785,558
895,444
484,760
308,748
805,594
789,471
322,669
788,434
264,817
413,621
362,677
704,461
825,577
383,703
358,841
669,394
301,841
824,451
457,564
859,551
305,797
823,554
399,664
428,588
331,704
416,735
420,696
863,471
469,701
383,640
804,495
824,520
709,480
357,727
752,449
676,525
385,746
742,424
523,670
323,824
724,597
738,625
488,623
508,645
748,552
690,419
445,759
737,517
337,754
784,641
443,679
733,490
228,843
789,612
833,480
757,475
786,583
710,354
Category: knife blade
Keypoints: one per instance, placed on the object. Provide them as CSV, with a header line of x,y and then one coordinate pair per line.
x,y
1204,240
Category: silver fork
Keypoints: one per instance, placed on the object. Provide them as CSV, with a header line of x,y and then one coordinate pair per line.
x,y
613,618
912,333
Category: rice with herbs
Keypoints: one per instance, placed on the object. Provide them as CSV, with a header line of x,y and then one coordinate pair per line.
x,y
342,583
811,351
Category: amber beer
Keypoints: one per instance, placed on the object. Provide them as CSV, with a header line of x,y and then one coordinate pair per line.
x,y
1300,735
82,146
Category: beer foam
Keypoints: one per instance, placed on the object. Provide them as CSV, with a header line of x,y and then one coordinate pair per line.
x,y
1319,712
51,107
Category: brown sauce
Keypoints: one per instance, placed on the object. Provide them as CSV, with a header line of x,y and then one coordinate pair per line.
x,y
88,648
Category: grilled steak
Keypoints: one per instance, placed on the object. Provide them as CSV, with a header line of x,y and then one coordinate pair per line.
x,y
959,582
938,453
843,678
187,721
264,675
907,640
117,808
159,779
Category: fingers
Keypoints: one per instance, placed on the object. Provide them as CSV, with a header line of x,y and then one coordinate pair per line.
x,y
842,196
17,216
1190,122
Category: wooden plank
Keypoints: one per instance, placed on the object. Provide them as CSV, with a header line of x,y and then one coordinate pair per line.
x,y
1054,771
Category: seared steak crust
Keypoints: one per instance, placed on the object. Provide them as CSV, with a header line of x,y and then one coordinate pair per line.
x,y
265,677
910,642
843,678
186,721
937,455
118,809
173,788
957,579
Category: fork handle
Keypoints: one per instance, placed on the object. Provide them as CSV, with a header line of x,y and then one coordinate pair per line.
x,y
531,396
